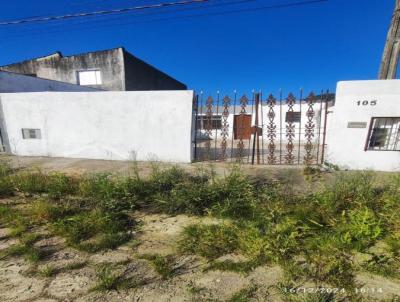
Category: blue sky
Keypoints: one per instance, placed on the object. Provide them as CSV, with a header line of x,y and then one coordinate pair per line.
x,y
311,46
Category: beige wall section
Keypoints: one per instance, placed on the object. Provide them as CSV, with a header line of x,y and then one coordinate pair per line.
x,y
154,125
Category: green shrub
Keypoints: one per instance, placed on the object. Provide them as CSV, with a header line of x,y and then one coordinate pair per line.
x,y
210,241
190,198
393,242
77,228
13,219
45,211
5,168
60,185
349,191
108,230
254,243
99,187
107,279
6,186
6,214
334,268
384,265
236,197
360,228
30,182
286,239
109,193
163,181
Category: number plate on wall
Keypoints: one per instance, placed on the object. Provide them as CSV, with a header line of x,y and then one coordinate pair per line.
x,y
357,125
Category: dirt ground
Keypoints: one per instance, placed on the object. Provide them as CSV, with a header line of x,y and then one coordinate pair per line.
x,y
81,166
157,234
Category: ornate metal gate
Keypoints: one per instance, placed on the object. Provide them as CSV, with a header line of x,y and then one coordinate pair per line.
x,y
272,131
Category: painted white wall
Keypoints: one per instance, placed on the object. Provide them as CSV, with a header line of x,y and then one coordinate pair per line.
x,y
14,82
346,145
109,125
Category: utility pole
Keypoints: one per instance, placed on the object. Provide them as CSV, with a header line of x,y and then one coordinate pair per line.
x,y
391,53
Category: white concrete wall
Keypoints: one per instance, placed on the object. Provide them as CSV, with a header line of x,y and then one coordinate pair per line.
x,y
13,82
346,145
154,125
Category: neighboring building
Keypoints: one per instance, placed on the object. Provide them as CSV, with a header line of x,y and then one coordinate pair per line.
x,y
14,83
114,69
364,128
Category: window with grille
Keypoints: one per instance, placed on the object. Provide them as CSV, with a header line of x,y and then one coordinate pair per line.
x,y
89,77
384,134
293,117
31,133
204,122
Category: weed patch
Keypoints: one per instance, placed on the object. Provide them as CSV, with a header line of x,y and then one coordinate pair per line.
x,y
163,265
244,295
25,249
243,267
110,279
210,241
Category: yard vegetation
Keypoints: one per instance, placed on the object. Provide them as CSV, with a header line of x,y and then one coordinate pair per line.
x,y
317,236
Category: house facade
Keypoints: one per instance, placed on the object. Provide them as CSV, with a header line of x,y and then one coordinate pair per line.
x,y
113,69
364,127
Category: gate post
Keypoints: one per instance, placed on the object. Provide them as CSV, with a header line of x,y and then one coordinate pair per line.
x,y
325,124
256,133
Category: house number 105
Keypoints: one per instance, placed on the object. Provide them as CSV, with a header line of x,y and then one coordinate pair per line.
x,y
366,103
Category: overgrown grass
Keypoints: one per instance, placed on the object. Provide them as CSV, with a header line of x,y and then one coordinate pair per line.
x,y
243,267
25,249
95,230
210,241
312,234
109,278
244,295
50,270
384,265
163,265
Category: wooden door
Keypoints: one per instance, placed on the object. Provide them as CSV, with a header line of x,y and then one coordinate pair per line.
x,y
242,126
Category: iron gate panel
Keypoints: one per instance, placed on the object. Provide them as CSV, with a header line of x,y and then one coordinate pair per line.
x,y
270,131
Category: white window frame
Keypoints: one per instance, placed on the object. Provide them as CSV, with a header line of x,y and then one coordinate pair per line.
x,y
97,77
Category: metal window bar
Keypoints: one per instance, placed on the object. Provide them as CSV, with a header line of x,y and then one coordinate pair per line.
x,y
383,134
